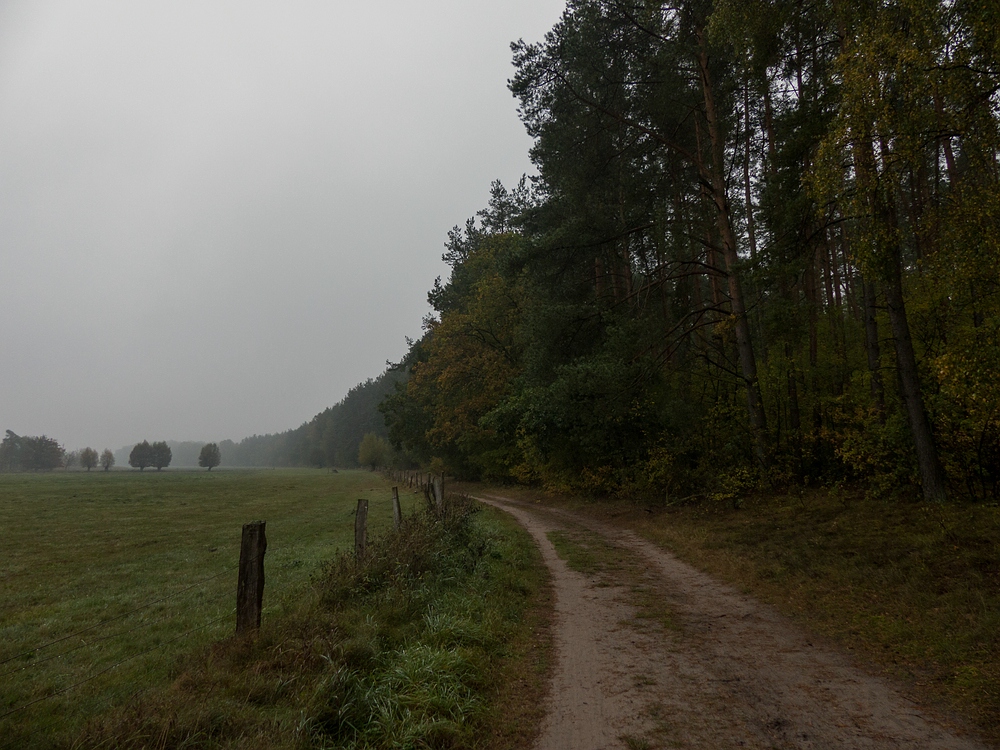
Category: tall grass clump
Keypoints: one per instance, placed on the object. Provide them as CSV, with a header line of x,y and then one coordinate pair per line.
x,y
411,647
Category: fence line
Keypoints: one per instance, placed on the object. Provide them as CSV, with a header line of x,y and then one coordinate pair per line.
x,y
294,541
141,626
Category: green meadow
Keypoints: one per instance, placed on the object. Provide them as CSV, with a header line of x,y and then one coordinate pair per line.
x,y
108,579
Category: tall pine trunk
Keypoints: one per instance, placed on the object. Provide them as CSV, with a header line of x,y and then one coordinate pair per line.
x,y
741,325
931,474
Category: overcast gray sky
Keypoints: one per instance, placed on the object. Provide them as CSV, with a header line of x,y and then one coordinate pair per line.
x,y
218,216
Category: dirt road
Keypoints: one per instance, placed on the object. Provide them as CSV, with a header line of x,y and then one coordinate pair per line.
x,y
651,653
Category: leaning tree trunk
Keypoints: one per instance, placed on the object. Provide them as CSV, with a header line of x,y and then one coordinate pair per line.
x,y
932,476
887,263
931,473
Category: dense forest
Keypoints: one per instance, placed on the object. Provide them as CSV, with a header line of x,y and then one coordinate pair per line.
x,y
762,248
331,438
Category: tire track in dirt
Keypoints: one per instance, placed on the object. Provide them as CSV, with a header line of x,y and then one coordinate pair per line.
x,y
731,673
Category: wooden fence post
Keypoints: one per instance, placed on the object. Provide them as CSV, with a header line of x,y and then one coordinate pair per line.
x,y
428,498
435,494
250,585
360,530
397,512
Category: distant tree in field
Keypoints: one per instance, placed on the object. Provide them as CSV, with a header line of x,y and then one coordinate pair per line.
x,y
107,459
161,455
71,459
141,456
88,458
209,456
373,451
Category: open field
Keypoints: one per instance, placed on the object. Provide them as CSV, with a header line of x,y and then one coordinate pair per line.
x,y
83,554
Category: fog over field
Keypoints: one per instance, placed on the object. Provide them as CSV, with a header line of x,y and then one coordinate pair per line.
x,y
215,218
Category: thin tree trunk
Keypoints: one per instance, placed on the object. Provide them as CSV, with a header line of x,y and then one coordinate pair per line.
x,y
812,300
872,347
769,128
949,155
711,260
751,225
931,473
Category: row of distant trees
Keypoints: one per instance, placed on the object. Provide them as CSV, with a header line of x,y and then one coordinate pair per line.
x,y
331,438
88,459
145,454
42,453
159,455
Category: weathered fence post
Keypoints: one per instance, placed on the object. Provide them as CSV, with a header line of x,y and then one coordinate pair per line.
x,y
426,488
360,530
250,584
435,496
397,512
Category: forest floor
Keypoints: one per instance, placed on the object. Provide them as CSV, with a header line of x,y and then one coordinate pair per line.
x,y
652,653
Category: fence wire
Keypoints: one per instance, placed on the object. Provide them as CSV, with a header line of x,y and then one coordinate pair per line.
x,y
231,569
310,536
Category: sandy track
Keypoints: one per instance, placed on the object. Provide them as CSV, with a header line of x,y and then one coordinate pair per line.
x,y
731,674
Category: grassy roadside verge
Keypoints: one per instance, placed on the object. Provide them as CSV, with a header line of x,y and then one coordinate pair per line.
x,y
912,589
438,640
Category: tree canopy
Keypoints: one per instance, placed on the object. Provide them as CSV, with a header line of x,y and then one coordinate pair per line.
x,y
210,456
374,451
761,247
160,455
88,458
141,456
25,453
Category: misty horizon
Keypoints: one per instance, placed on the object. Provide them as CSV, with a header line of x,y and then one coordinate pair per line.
x,y
216,220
